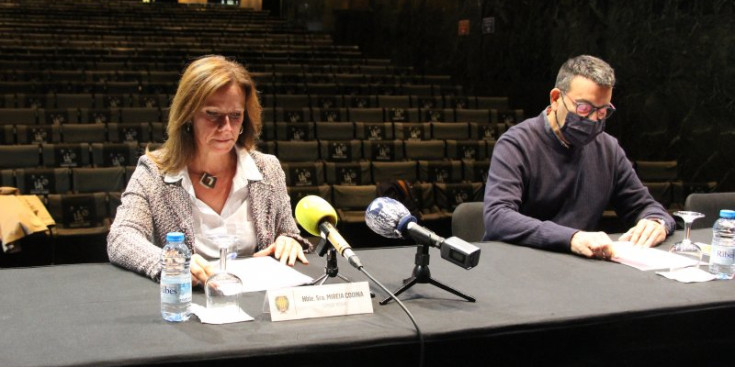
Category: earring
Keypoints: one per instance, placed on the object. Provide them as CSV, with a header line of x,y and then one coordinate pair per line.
x,y
242,128
187,127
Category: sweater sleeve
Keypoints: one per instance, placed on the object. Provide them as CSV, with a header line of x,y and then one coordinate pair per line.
x,y
503,199
632,200
129,241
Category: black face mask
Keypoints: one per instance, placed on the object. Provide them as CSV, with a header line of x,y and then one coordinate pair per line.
x,y
580,131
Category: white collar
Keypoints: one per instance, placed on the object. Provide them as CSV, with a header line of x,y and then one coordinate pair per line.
x,y
246,171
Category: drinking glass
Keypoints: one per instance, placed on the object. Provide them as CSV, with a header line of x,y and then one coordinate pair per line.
x,y
686,247
223,288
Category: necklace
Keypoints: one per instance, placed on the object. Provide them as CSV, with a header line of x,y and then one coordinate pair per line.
x,y
208,180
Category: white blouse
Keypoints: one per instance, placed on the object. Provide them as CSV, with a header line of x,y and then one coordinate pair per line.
x,y
235,217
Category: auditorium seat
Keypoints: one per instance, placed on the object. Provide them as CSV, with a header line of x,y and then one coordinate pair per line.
x,y
292,114
482,116
57,116
115,154
466,149
710,205
510,117
75,100
79,214
425,149
398,114
285,89
449,195
475,170
140,114
330,114
303,173
420,90
295,131
43,181
468,222
441,171
348,173
459,102
412,130
99,115
131,132
29,134
13,116
484,131
358,100
374,131
390,171
350,201
488,103
341,150
428,209
450,130
383,150
65,155
84,133
297,151
326,101
99,179
292,101
325,88
657,171
437,115
366,114
7,178
335,131
388,102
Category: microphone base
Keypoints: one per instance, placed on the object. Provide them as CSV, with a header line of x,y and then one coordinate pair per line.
x,y
422,274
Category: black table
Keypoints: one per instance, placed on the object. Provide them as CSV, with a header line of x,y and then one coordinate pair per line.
x,y
532,307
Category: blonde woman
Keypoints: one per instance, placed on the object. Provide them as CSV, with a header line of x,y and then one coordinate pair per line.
x,y
206,178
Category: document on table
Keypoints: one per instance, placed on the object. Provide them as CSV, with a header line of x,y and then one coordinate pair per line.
x,y
645,258
265,273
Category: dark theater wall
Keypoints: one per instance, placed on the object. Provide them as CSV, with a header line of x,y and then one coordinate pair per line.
x,y
675,62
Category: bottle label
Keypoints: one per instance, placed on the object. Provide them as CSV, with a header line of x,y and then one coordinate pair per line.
x,y
175,292
722,255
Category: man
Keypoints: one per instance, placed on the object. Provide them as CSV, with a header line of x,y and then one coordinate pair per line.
x,y
552,176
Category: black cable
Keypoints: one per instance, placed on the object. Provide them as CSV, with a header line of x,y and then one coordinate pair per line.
x,y
410,316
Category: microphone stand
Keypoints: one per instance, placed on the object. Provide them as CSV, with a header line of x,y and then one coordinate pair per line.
x,y
330,270
422,274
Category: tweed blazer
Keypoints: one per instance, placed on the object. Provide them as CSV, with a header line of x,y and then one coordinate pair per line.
x,y
151,208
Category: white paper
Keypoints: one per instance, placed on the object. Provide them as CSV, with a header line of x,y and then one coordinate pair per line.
x,y
219,316
688,275
647,258
264,273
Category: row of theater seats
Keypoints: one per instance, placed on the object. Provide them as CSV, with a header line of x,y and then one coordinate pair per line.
x,y
48,116
144,132
92,213
65,180
122,154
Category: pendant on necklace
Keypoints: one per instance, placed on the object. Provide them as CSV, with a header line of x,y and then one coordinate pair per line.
x,y
208,180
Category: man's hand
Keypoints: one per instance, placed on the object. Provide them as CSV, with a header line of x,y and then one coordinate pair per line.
x,y
592,244
201,270
285,249
646,233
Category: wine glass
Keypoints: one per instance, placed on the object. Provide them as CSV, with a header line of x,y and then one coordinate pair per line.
x,y
223,288
686,247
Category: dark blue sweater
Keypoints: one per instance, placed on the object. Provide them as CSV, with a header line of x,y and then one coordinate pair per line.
x,y
539,193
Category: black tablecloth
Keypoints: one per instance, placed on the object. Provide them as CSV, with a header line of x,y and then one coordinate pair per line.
x,y
532,306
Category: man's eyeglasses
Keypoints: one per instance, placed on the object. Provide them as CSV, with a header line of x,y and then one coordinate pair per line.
x,y
585,109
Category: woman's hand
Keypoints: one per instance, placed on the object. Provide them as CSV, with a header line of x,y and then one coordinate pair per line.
x,y
201,270
285,249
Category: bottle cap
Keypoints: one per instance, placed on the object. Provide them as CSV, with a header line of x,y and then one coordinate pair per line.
x,y
729,214
175,237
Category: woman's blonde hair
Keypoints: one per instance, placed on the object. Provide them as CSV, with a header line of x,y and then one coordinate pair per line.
x,y
201,79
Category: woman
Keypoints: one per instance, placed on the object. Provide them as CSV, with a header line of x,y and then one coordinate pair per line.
x,y
206,178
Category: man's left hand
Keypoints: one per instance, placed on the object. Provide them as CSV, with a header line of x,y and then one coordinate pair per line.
x,y
285,249
647,233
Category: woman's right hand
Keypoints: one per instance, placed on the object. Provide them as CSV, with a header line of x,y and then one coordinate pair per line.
x,y
201,270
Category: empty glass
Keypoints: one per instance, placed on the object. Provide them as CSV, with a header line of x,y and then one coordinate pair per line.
x,y
686,247
223,288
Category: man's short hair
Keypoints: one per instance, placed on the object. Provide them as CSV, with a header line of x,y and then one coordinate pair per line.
x,y
590,67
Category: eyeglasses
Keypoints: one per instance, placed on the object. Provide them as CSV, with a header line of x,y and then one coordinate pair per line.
x,y
585,109
219,118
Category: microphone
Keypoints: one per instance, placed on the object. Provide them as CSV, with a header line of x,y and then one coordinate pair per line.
x,y
319,218
389,218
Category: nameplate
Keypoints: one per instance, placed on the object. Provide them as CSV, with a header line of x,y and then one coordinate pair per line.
x,y
319,301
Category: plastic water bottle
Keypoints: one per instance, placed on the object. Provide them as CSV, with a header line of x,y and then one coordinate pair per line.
x,y
722,257
175,279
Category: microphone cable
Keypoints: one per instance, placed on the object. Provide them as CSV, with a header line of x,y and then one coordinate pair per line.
x,y
410,316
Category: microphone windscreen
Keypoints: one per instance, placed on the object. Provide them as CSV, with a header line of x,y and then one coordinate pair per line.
x,y
383,216
312,210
